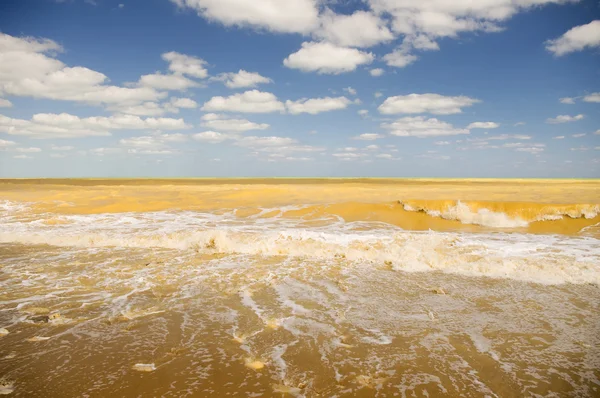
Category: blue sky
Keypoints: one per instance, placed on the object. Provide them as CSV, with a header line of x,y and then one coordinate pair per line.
x,y
381,88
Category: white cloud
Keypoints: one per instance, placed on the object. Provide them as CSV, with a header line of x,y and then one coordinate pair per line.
x,y
559,137
368,137
323,57
378,94
4,103
519,124
185,103
576,39
597,132
578,135
144,109
242,79
349,156
58,155
376,72
399,58
564,119
62,148
289,16
350,90
421,127
363,112
425,103
372,147
186,64
503,137
166,82
152,145
316,105
28,68
28,150
361,29
224,123
22,157
483,125
441,143
384,156
567,100
275,146
593,97
531,150
64,125
252,101
6,143
422,42
272,141
211,137
440,18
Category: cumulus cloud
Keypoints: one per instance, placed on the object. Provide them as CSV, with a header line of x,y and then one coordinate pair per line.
x,y
185,103
425,103
368,137
567,100
62,148
594,97
564,119
316,105
327,58
349,156
399,58
252,101
439,18
183,64
289,16
275,146
579,135
223,123
350,90
211,137
64,125
242,79
28,68
559,137
503,137
363,112
6,143
166,82
376,72
483,125
28,150
157,144
576,39
360,29
4,103
421,127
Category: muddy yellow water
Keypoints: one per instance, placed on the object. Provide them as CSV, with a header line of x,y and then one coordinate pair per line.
x,y
307,288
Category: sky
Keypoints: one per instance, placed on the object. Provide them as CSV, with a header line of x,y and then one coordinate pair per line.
x,y
300,88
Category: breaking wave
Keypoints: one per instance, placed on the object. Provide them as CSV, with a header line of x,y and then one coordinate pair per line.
x,y
527,257
500,214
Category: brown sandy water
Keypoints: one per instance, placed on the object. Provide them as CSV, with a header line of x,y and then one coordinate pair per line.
x,y
299,288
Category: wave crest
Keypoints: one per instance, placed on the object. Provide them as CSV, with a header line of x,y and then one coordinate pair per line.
x,y
500,214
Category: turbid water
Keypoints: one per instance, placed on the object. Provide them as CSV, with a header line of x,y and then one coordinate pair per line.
x,y
301,287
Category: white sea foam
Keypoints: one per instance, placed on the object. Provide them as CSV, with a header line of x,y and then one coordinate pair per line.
x,y
494,219
538,258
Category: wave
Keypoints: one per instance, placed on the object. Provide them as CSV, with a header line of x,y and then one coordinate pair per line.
x,y
500,214
533,258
